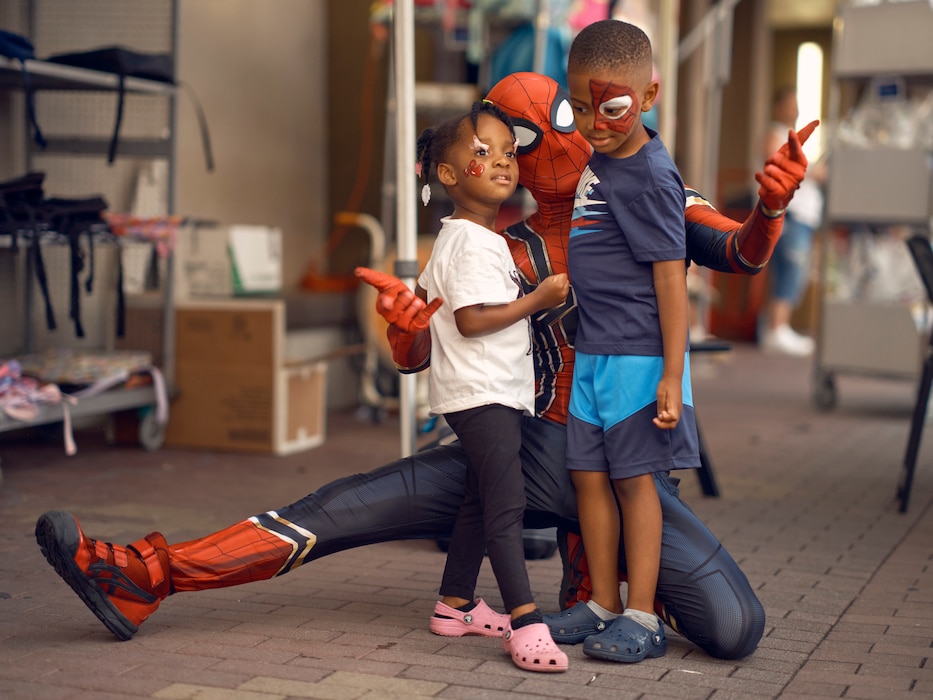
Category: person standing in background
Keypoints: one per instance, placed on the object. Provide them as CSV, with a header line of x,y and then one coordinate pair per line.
x,y
789,267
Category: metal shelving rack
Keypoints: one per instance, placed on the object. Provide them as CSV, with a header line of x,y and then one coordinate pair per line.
x,y
874,186
78,162
878,186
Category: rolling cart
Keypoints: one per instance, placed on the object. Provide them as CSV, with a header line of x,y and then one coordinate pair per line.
x,y
884,51
883,48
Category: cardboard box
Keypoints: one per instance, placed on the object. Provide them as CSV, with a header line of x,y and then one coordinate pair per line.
x,y
303,390
228,261
236,392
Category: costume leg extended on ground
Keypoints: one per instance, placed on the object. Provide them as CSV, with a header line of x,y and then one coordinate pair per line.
x,y
704,593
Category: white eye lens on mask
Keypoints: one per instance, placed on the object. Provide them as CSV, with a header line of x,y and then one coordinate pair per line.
x,y
617,107
528,136
562,114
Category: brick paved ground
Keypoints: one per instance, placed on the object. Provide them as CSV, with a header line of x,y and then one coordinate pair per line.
x,y
807,508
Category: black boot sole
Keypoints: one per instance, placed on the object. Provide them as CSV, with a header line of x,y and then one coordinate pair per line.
x,y
58,538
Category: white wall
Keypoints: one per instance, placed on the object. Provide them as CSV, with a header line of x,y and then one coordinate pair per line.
x,y
259,70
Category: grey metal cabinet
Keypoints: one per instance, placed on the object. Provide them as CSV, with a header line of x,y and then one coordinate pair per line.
x,y
874,185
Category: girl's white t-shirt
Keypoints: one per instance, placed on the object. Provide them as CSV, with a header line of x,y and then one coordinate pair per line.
x,y
472,265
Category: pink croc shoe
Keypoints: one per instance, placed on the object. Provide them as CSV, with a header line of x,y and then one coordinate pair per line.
x,y
481,620
533,649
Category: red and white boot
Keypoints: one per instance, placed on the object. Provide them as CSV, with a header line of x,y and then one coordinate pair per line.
x,y
123,586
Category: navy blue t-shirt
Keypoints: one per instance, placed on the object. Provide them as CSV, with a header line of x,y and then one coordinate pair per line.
x,y
628,213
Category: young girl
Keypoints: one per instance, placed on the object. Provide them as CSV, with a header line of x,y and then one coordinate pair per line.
x,y
482,379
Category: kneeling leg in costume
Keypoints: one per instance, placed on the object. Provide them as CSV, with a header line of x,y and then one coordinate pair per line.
x,y
702,592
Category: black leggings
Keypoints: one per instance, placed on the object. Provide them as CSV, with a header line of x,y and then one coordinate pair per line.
x,y
418,497
490,517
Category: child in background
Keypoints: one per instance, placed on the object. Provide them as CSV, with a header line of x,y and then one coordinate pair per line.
x,y
631,402
482,379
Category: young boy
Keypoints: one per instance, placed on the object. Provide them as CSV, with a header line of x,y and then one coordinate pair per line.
x,y
482,379
630,405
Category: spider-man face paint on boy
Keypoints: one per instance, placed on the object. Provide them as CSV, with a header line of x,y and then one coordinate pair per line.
x,y
615,106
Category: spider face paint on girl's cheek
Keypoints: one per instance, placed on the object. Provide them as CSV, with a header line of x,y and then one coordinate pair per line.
x,y
474,168
614,106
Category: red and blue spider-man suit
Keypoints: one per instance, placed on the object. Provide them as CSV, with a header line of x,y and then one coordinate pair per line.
x,y
703,592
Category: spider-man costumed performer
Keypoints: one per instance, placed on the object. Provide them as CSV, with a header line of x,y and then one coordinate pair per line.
x,y
702,593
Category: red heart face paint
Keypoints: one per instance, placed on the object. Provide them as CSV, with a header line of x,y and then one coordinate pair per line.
x,y
474,168
614,106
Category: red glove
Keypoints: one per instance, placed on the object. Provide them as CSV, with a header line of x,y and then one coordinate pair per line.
x,y
784,170
408,317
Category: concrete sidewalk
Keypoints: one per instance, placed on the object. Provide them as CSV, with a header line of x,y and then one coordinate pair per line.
x,y
807,508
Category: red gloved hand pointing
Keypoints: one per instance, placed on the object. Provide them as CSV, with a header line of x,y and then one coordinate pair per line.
x,y
785,170
408,316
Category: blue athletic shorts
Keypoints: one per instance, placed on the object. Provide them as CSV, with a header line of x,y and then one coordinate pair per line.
x,y
612,403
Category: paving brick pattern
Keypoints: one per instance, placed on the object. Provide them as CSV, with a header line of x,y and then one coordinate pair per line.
x,y
807,509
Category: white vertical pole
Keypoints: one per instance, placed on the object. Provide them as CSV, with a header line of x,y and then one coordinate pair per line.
x,y
406,214
542,29
669,22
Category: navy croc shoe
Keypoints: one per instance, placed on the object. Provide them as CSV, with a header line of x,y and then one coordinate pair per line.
x,y
575,624
627,641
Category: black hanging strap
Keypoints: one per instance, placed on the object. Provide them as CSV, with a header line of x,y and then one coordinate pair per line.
x,y
114,140
202,125
121,299
20,48
126,63
77,267
39,268
72,217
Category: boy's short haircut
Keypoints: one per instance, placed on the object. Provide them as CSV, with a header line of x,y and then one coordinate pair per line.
x,y
610,44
